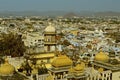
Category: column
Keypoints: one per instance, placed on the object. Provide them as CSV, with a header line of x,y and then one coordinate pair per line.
x,y
102,76
37,77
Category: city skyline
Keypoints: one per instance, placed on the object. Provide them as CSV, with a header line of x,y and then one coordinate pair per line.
x,y
60,5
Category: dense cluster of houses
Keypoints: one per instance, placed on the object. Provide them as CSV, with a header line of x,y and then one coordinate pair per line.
x,y
64,48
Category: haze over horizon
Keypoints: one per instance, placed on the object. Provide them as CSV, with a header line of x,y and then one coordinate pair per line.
x,y
60,5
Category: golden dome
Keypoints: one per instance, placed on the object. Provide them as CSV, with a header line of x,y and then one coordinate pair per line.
x,y
50,28
61,61
6,69
102,57
79,67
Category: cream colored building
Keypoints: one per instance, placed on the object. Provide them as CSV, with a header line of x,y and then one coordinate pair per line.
x,y
49,47
50,39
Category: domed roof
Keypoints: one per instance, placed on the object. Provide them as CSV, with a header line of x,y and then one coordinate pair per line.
x,y
78,68
102,57
50,28
61,61
6,69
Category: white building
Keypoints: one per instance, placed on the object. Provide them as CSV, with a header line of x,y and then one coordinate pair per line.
x,y
50,39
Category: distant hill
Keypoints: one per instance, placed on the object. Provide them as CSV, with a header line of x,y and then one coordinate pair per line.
x,y
108,13
71,14
32,13
58,13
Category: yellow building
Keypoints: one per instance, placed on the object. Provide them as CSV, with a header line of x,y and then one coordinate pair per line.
x,y
60,66
45,57
74,32
49,47
104,63
77,72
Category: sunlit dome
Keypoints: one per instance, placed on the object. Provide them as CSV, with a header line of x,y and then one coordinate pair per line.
x,y
6,69
50,28
78,68
102,57
61,61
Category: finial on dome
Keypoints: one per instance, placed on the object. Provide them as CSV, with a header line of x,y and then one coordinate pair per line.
x,y
101,49
6,60
50,28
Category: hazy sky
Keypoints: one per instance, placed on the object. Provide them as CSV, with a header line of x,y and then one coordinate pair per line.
x,y
60,5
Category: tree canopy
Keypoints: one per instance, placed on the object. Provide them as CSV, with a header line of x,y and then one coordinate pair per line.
x,y
12,44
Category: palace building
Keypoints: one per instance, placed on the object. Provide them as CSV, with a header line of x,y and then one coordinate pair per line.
x,y
60,67
50,38
106,64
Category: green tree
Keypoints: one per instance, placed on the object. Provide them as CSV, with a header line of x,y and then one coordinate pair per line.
x,y
12,44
